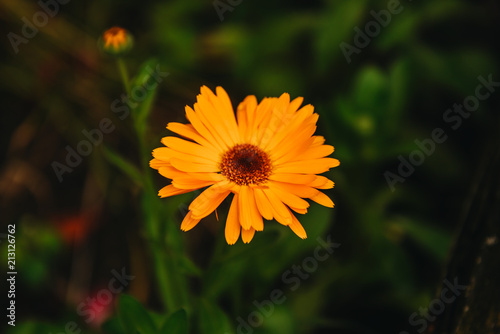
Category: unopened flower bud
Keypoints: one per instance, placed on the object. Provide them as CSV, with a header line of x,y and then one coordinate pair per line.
x,y
116,41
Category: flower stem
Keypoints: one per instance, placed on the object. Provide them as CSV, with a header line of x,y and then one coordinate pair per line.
x,y
171,283
122,68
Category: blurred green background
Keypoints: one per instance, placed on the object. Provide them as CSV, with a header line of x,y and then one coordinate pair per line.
x,y
70,235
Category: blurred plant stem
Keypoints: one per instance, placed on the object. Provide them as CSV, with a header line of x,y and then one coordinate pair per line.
x,y
170,280
122,68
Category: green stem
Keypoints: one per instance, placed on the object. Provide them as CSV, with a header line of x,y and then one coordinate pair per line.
x,y
122,68
171,282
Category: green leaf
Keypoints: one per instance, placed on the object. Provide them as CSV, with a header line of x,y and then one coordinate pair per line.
x,y
33,327
125,166
113,326
335,28
398,93
134,317
189,267
177,323
212,320
143,90
430,238
370,88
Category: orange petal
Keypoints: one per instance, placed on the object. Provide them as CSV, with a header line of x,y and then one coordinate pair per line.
x,y
211,123
222,104
297,123
322,199
263,204
190,183
170,190
301,211
293,178
315,166
301,190
295,104
247,235
208,201
246,117
189,222
216,116
171,172
191,148
191,167
233,226
280,211
317,152
291,154
195,120
256,217
287,197
319,140
295,140
322,182
277,121
157,163
226,102
297,228
167,153
249,214
207,176
188,131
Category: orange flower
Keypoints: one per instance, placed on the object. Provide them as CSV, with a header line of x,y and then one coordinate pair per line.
x,y
268,157
116,41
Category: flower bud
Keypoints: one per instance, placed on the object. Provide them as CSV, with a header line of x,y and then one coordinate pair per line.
x,y
116,41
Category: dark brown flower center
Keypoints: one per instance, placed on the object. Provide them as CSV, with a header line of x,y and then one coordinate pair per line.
x,y
246,164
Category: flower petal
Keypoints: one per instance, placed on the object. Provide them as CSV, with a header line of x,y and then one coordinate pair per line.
x,y
315,166
297,228
263,204
301,211
189,222
293,178
246,117
216,116
170,190
322,199
195,120
280,211
247,235
287,197
190,183
233,227
166,154
190,148
157,163
249,214
188,131
191,167
208,201
322,182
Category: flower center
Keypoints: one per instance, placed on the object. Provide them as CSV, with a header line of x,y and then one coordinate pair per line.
x,y
246,164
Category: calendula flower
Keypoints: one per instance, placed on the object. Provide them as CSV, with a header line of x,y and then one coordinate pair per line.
x,y
116,41
267,156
